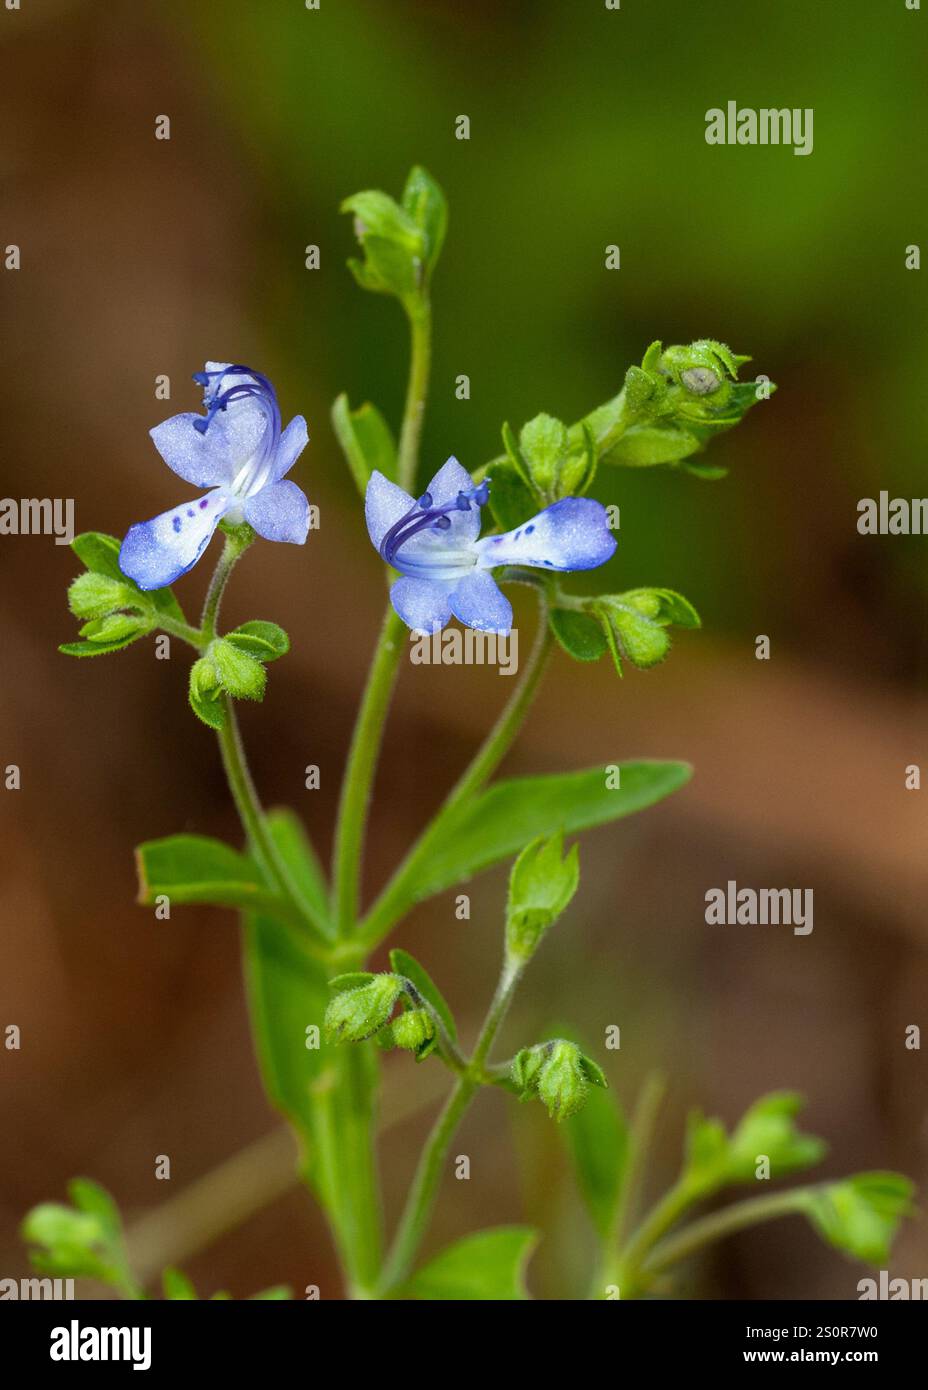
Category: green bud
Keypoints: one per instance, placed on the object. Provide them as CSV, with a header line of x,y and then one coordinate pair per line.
x,y
238,673
558,1073
541,885
673,405
634,623
358,1013
400,243
206,694
413,1030
93,595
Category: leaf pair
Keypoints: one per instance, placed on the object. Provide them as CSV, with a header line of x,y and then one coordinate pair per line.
x,y
114,610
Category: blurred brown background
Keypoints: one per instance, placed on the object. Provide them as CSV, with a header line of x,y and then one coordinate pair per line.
x,y
142,257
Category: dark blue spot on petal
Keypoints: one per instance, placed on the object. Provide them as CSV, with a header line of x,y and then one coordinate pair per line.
x,y
204,502
176,523
529,530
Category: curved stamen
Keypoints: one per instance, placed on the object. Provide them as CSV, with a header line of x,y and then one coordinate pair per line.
x,y
254,475
423,516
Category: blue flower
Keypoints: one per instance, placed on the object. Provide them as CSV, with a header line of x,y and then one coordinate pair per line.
x,y
238,451
445,568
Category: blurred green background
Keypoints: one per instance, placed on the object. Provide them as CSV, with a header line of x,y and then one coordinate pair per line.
x,y
142,257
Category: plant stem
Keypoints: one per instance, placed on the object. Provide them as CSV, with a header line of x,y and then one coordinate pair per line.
x,y
237,542
640,1135
364,752
431,1167
359,773
241,784
420,324
390,903
661,1217
718,1224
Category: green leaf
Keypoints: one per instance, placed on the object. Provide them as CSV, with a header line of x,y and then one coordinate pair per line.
x,y
598,1140
389,268
205,694
287,994
116,627
84,1240
488,1266
262,640
861,1215
239,674
295,849
93,595
278,1293
177,1287
197,869
100,553
541,885
638,638
402,963
644,446
501,821
543,445
580,635
426,204
768,1127
366,441
381,217
94,648
511,500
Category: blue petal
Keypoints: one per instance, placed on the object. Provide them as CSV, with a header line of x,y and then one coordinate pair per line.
x,y
384,504
157,552
451,479
479,602
279,512
421,603
573,534
214,457
292,443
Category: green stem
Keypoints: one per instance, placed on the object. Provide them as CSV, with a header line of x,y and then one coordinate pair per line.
x,y
639,1143
420,324
368,732
358,781
431,1167
390,903
659,1220
237,542
719,1224
182,631
251,813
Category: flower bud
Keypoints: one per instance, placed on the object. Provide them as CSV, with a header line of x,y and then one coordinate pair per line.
x,y
359,1012
414,1030
558,1073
